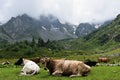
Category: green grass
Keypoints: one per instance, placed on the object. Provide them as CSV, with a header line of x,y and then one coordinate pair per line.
x,y
97,73
115,51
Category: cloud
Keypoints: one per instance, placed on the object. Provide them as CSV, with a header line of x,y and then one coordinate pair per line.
x,y
73,11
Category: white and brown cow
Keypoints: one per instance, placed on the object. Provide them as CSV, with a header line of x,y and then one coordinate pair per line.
x,y
29,68
65,67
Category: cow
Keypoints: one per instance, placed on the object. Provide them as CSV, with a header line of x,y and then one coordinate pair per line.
x,y
91,63
29,68
64,67
103,59
36,60
6,63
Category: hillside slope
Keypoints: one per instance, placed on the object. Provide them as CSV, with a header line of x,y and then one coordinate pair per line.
x,y
102,39
106,37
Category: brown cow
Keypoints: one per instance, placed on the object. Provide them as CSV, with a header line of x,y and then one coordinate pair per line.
x,y
36,60
104,60
65,67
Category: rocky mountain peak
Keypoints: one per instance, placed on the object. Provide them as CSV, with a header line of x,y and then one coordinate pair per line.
x,y
84,29
24,27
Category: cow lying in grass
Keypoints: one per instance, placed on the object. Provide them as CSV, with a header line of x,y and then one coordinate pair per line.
x,y
5,63
103,60
65,67
29,68
36,60
91,63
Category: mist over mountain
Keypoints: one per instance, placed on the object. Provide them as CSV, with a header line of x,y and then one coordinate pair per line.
x,y
24,27
107,33
104,38
47,27
106,23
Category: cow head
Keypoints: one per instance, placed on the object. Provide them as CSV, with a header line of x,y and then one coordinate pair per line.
x,y
45,62
19,61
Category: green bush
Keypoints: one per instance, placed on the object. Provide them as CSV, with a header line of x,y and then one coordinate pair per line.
x,y
117,38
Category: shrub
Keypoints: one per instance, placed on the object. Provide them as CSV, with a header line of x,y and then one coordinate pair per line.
x,y
103,39
117,38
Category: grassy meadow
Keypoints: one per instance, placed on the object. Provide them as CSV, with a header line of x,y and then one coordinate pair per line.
x,y
11,72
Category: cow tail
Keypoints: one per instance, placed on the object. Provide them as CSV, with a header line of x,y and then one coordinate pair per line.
x,y
34,72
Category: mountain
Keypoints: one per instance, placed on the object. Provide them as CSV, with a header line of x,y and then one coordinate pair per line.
x,y
106,23
102,39
59,30
4,37
105,38
84,29
24,27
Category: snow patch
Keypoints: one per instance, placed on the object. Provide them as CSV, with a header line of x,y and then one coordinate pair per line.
x,y
44,28
54,28
74,27
97,26
65,29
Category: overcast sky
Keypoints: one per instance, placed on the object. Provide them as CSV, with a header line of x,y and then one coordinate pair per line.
x,y
73,11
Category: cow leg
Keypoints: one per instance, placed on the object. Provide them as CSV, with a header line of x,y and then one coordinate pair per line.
x,y
75,75
22,73
57,73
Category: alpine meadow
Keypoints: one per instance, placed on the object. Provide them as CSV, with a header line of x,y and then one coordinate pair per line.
x,y
59,40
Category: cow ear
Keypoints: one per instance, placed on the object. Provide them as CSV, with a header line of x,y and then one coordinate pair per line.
x,y
48,59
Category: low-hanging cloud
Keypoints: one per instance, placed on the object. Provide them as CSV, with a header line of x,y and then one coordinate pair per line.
x,y
73,11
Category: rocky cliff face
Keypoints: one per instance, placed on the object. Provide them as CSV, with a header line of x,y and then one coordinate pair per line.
x,y
25,28
84,29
